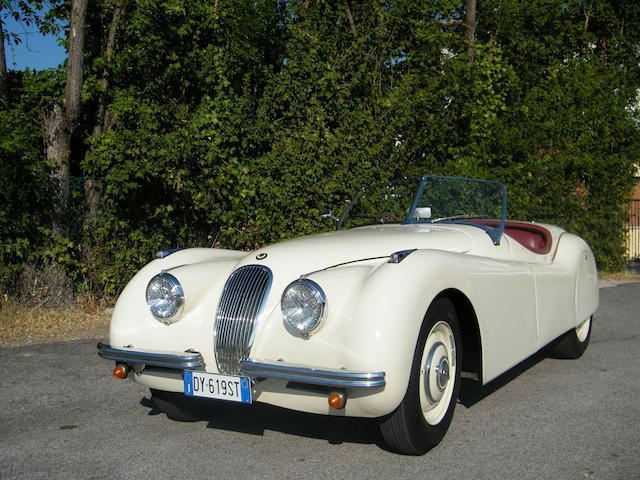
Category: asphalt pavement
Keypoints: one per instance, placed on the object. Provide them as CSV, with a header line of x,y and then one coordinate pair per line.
x,y
62,416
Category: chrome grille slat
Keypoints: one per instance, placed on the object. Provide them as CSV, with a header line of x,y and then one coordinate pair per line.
x,y
242,313
251,312
240,307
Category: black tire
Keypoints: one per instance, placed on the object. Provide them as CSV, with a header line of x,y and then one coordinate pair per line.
x,y
572,344
182,408
408,430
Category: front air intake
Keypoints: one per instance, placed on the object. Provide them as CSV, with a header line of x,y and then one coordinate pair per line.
x,y
241,304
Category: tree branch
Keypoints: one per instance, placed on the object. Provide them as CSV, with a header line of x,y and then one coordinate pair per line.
x,y
351,22
470,32
4,89
75,62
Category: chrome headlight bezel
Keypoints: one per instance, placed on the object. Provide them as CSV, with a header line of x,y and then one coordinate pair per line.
x,y
165,298
303,306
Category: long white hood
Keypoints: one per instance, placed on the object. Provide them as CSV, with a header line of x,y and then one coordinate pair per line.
x,y
323,250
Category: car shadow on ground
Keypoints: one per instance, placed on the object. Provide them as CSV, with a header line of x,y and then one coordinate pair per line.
x,y
472,391
257,418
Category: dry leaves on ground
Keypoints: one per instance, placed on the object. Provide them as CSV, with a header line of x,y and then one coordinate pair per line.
x,y
23,325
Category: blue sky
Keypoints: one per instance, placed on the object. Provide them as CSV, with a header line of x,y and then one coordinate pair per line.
x,y
35,52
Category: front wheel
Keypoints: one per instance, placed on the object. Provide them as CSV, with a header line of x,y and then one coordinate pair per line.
x,y
572,344
423,417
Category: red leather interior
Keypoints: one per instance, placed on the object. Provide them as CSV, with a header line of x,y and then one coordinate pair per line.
x,y
529,235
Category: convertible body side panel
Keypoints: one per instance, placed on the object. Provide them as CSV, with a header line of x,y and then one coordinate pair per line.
x,y
382,311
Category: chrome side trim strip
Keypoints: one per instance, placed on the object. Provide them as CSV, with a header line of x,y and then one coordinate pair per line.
x,y
326,377
156,359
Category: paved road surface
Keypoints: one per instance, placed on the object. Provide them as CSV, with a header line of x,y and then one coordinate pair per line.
x,y
62,416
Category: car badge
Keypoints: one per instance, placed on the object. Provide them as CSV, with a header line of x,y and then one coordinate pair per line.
x,y
261,256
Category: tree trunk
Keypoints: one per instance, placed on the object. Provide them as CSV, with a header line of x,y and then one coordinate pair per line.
x,y
75,60
60,119
470,32
93,188
57,140
4,89
59,123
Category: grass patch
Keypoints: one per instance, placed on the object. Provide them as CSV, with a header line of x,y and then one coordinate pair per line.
x,y
624,276
24,325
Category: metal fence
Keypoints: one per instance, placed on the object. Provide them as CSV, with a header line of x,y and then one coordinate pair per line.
x,y
633,232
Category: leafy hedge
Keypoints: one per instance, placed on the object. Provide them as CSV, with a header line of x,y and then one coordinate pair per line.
x,y
237,124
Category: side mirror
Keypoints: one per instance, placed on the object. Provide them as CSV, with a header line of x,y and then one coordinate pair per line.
x,y
422,213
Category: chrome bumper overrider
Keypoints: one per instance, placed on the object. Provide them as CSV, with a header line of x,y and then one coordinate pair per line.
x,y
179,361
336,378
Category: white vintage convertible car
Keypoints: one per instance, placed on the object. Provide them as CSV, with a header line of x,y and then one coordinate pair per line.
x,y
424,278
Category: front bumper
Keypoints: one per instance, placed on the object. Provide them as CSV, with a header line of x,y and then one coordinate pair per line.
x,y
139,360
336,378
255,369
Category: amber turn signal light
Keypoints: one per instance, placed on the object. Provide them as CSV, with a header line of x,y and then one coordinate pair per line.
x,y
337,400
120,371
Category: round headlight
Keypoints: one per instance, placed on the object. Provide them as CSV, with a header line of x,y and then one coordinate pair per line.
x,y
165,297
302,305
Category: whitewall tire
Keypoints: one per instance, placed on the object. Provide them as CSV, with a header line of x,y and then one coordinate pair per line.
x,y
423,417
573,344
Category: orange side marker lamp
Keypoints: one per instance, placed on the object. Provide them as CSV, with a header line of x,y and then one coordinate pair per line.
x,y
120,371
337,400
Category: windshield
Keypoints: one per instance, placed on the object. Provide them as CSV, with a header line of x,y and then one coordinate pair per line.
x,y
385,203
431,199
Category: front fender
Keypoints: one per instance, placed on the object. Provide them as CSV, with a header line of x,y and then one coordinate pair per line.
x,y
202,273
375,312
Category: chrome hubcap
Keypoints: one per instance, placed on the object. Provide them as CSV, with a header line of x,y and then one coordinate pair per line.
x,y
442,373
437,372
438,367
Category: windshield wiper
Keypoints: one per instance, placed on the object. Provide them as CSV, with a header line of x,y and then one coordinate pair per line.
x,y
380,217
459,217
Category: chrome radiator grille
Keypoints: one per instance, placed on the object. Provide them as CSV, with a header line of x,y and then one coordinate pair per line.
x,y
242,301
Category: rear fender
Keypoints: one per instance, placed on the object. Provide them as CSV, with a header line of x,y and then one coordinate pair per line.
x,y
574,253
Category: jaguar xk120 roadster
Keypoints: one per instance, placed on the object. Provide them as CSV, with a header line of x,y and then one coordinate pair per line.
x,y
424,278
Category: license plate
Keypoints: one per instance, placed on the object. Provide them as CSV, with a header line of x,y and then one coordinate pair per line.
x,y
221,387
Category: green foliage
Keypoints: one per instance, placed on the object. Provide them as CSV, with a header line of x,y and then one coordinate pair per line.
x,y
64,253
237,124
44,15
25,195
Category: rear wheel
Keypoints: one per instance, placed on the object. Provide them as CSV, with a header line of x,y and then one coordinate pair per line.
x,y
423,417
572,344
183,408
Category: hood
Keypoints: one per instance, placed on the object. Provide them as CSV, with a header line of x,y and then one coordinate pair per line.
x,y
323,250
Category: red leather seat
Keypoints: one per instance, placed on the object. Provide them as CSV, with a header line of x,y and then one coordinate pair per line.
x,y
529,235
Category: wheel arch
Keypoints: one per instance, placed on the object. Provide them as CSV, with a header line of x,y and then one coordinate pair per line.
x,y
469,331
